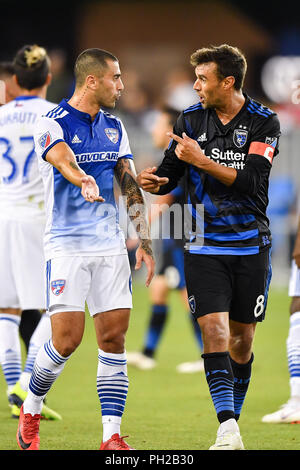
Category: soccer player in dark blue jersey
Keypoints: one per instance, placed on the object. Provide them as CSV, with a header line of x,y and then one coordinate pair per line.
x,y
223,147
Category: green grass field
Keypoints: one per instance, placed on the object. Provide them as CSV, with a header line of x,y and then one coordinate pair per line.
x,y
166,410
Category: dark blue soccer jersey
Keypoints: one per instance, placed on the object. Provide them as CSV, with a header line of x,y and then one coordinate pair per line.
x,y
234,220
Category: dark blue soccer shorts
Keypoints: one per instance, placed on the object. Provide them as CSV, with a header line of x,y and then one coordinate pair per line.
x,y
229,283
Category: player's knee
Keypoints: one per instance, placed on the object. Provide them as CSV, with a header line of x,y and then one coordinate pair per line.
x,y
241,345
113,341
215,337
66,344
295,305
159,290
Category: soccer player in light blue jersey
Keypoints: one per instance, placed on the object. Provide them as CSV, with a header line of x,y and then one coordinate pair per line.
x,y
81,149
22,220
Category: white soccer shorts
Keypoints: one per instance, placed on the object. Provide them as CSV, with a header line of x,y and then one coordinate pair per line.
x,y
294,284
102,282
22,265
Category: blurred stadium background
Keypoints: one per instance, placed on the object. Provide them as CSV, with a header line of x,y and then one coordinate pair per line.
x,y
153,41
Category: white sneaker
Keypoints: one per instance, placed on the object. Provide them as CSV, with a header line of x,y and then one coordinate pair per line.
x,y
288,413
139,360
191,367
228,437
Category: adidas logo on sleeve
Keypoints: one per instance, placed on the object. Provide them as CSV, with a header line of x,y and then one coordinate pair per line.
x,y
76,139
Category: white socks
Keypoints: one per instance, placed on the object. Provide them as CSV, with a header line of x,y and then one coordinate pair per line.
x,y
47,367
293,353
10,348
112,387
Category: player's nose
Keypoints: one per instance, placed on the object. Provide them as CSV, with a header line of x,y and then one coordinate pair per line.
x,y
197,85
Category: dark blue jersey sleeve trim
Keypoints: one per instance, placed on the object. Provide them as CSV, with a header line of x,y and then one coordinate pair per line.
x,y
49,147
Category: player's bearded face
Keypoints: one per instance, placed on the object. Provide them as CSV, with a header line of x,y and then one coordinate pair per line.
x,y
110,85
208,85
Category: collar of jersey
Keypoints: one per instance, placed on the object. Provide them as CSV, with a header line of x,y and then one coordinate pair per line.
x,y
25,97
86,117
231,123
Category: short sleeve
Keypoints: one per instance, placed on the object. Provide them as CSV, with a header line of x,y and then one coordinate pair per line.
x,y
124,150
265,139
47,133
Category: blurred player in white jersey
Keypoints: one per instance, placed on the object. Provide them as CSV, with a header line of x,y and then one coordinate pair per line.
x,y
290,411
9,90
22,219
80,149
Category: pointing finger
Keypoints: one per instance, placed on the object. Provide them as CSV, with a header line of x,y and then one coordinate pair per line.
x,y
175,137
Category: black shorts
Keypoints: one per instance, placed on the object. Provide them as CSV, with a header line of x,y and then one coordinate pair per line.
x,y
226,283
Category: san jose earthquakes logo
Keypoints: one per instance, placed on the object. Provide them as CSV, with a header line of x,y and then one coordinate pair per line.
x,y
45,140
192,304
112,134
58,286
240,137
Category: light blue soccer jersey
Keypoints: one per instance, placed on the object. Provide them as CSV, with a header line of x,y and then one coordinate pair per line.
x,y
75,226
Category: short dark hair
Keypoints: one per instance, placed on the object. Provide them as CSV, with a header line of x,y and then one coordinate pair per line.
x,y
6,69
230,61
91,61
31,66
172,113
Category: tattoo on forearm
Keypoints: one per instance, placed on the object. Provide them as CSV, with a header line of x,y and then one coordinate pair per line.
x,y
134,202
74,166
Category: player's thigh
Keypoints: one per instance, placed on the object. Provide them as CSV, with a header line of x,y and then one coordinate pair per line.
x,y
29,265
68,284
209,284
8,292
252,277
111,284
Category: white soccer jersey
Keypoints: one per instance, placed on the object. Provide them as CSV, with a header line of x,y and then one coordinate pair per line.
x,y
74,226
21,188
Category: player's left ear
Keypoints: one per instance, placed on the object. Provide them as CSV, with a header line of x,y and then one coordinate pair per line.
x,y
91,82
228,82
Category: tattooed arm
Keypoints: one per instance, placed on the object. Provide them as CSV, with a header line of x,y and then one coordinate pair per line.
x,y
63,159
136,208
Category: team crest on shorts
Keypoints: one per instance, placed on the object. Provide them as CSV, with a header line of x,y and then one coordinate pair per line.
x,y
240,137
58,286
192,303
112,134
45,140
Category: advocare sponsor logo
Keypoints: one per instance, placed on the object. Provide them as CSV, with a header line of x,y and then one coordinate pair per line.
x,y
228,158
97,157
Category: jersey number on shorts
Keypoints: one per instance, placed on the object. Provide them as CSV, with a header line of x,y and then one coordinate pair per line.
x,y
6,154
260,305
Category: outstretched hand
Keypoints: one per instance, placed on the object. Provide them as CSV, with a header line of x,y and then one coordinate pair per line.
x,y
90,189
